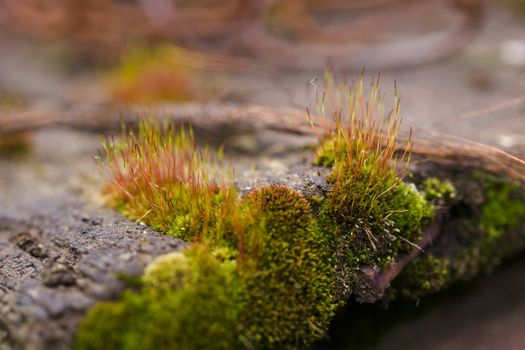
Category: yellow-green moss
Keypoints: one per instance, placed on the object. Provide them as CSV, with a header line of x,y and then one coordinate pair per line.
x,y
437,190
379,220
167,272
159,177
288,284
325,153
480,238
275,292
195,308
369,210
426,275
502,210
497,223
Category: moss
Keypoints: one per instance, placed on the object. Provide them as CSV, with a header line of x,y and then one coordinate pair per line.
x,y
277,291
283,260
495,232
162,73
195,308
160,178
437,190
369,211
426,275
500,216
167,272
279,294
479,233
379,220
503,209
325,153
410,210
288,285
14,144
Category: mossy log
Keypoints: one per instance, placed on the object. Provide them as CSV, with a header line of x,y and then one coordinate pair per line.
x,y
57,263
473,229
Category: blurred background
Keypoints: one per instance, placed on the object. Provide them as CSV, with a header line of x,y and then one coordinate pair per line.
x,y
459,66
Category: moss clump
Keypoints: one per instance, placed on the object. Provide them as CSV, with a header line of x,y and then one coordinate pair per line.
x,y
15,144
167,272
424,276
481,230
371,215
275,292
162,73
158,176
410,211
436,190
325,154
284,260
494,232
379,220
196,307
503,208
288,281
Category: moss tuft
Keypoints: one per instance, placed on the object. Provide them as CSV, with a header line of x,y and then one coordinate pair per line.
x,y
288,285
279,294
16,144
167,272
199,311
379,220
484,228
370,214
503,209
162,73
437,190
426,275
158,176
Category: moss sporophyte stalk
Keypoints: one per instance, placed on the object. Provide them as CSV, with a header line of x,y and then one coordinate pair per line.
x,y
266,269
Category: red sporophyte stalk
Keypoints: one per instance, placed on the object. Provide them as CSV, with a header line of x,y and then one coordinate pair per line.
x,y
159,176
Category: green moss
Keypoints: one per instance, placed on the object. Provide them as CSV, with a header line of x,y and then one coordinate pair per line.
x,y
426,275
410,210
379,220
275,292
167,272
190,301
325,153
502,210
289,292
494,232
475,241
437,190
499,221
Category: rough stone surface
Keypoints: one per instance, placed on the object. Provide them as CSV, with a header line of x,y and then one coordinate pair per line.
x,y
51,273
60,250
